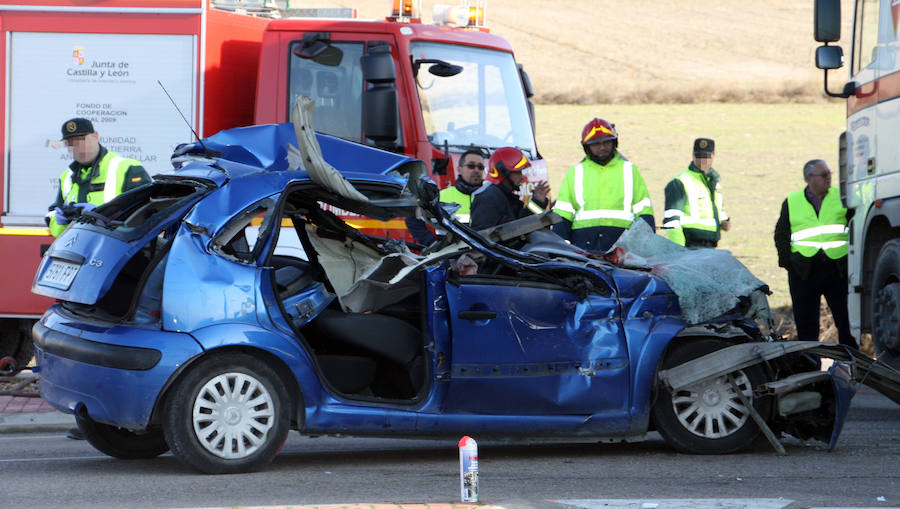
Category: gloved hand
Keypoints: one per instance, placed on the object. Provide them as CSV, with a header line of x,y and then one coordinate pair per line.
x,y
61,218
84,206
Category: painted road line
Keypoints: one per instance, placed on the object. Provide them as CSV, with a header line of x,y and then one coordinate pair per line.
x,y
678,503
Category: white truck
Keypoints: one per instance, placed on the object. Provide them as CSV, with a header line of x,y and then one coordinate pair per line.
x,y
869,155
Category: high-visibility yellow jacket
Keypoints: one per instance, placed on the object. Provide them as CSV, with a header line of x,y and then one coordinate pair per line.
x,y
826,230
613,194
126,174
694,212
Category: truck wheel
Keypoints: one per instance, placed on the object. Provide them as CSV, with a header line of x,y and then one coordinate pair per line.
x,y
229,414
885,317
709,417
15,340
122,443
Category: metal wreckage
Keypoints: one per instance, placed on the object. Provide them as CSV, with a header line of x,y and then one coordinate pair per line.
x,y
227,303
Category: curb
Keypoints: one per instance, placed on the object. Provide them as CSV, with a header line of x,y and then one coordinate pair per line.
x,y
35,422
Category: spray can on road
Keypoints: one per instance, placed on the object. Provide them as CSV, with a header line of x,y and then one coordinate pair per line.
x,y
468,469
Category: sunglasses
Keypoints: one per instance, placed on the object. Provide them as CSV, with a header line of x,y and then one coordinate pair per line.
x,y
472,166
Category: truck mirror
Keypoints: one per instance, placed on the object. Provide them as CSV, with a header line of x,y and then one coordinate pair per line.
x,y
316,46
829,57
526,82
827,21
440,68
380,112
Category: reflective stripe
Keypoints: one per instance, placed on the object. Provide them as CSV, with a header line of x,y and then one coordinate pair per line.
x,y
821,245
671,223
628,182
603,214
705,221
564,206
534,207
579,186
639,206
66,186
112,185
818,230
463,218
672,213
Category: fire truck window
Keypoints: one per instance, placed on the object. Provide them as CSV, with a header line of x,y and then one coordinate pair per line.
x,y
337,91
865,34
483,105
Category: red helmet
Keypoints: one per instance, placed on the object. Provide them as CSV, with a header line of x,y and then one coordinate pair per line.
x,y
504,161
598,130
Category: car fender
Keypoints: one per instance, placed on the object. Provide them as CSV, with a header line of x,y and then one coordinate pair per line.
x,y
288,350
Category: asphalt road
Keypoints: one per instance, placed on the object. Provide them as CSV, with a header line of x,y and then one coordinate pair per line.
x,y
49,470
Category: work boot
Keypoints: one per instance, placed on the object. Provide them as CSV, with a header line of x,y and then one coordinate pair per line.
x,y
75,434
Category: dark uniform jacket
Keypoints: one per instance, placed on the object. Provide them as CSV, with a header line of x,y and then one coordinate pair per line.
x,y
498,204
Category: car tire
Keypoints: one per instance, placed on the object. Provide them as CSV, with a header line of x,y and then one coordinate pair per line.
x,y
228,414
15,341
885,318
708,418
122,443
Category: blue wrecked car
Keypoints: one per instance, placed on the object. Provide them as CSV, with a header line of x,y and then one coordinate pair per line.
x,y
235,299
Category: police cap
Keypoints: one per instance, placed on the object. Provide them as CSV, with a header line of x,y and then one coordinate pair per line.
x,y
704,146
76,127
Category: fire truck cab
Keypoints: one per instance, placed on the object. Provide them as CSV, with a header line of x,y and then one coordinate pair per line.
x,y
151,74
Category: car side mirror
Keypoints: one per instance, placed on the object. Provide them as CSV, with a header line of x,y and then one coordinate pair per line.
x,y
827,20
380,111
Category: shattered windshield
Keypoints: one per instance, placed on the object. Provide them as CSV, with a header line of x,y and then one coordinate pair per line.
x,y
483,105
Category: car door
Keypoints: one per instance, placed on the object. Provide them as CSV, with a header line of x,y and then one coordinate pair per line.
x,y
525,347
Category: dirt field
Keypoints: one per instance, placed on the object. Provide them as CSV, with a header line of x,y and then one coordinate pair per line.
x,y
638,51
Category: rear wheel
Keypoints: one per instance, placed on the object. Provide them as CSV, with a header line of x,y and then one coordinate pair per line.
x,y
708,417
228,414
885,317
15,340
122,443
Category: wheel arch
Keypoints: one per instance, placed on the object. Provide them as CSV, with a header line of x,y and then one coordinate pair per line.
x,y
296,400
882,225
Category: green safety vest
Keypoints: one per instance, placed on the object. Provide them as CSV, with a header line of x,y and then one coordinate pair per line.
x,y
701,211
826,231
454,195
111,163
610,195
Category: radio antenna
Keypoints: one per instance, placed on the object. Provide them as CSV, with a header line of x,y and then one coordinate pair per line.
x,y
205,150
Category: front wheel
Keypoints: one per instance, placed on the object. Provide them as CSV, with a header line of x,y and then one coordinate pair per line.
x,y
122,443
885,307
708,417
228,414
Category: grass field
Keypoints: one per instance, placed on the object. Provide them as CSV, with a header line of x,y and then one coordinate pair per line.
x,y
760,151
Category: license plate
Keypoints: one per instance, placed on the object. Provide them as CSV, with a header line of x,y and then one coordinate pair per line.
x,y
59,274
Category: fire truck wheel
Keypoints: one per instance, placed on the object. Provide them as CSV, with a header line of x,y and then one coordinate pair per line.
x,y
15,340
885,307
228,414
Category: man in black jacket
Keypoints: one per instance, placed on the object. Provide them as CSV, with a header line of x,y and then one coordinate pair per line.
x,y
812,242
499,202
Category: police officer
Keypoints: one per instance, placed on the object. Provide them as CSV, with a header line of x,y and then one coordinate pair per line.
x,y
694,216
601,196
812,241
96,175
499,203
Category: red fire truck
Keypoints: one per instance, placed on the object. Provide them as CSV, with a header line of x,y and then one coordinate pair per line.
x,y
427,90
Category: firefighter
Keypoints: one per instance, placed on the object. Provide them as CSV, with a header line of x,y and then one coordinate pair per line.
x,y
812,241
96,175
602,195
694,216
499,203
